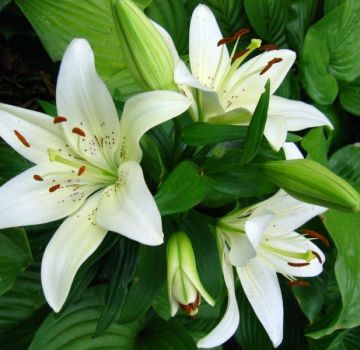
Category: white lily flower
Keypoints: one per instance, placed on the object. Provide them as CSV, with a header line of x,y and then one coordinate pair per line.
x,y
228,91
87,168
262,243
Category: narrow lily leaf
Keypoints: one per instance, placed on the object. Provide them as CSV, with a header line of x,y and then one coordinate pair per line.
x,y
148,281
183,189
322,65
121,268
204,134
48,107
257,126
15,256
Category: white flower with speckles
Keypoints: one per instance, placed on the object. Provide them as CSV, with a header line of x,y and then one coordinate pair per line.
x,y
87,168
226,91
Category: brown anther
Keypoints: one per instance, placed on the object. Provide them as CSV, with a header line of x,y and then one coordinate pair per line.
x,y
298,264
298,283
240,33
22,139
317,256
191,308
317,235
240,54
59,119
225,41
78,131
38,178
81,170
54,188
270,64
268,47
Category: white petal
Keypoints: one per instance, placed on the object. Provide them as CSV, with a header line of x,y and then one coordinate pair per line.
x,y
262,289
183,76
74,241
275,131
37,128
168,40
25,201
144,111
293,242
257,224
298,115
230,321
206,58
129,208
292,151
290,213
82,97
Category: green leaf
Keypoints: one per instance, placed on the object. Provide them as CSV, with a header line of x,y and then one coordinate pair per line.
x,y
3,3
204,134
330,5
22,309
73,330
15,256
301,16
257,125
350,97
171,15
316,144
48,107
269,18
341,340
343,229
330,53
121,268
289,88
148,281
182,190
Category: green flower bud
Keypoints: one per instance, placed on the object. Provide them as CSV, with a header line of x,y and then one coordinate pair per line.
x,y
184,286
311,182
147,54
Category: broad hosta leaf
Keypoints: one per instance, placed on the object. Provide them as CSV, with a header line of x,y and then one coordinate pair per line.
x,y
269,18
350,97
341,340
171,15
256,128
331,51
316,145
15,256
289,88
148,280
230,14
22,309
73,330
330,5
183,189
3,3
301,15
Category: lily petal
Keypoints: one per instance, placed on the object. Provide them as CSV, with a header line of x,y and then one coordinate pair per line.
x,y
298,115
230,321
262,289
144,111
74,241
208,61
82,97
293,242
275,131
38,130
292,151
129,208
25,201
247,84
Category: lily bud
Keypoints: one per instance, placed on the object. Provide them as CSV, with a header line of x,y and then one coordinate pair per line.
x,y
311,182
184,286
147,54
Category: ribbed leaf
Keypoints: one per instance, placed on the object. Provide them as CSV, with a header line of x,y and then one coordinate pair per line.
x,y
350,97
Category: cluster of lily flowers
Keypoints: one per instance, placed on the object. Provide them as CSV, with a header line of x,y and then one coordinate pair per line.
x,y
87,170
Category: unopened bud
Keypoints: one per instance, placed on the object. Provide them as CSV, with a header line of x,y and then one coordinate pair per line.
x,y
147,55
184,286
311,182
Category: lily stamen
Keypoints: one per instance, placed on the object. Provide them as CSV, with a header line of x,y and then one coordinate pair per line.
x,y
240,54
317,235
22,139
38,178
78,131
317,256
235,36
268,47
298,264
270,64
59,119
192,308
298,283
54,188
81,170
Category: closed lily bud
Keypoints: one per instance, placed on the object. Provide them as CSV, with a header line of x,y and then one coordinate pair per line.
x,y
311,182
147,54
184,286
